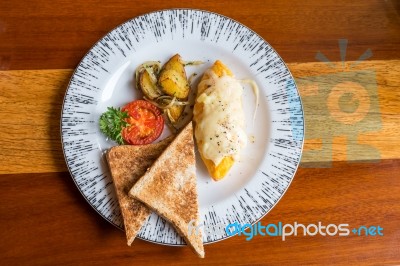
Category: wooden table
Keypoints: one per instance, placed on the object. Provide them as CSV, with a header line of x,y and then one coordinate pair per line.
x,y
45,220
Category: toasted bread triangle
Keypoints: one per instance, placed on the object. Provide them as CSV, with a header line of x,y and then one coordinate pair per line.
x,y
169,187
127,164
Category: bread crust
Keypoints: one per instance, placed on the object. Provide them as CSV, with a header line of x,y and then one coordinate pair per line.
x,y
169,187
127,164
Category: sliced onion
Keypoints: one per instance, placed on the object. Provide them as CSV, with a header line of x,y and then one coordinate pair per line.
x,y
172,101
181,103
190,79
165,97
192,63
149,67
155,103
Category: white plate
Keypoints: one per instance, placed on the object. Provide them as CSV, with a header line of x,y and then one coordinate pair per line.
x,y
105,78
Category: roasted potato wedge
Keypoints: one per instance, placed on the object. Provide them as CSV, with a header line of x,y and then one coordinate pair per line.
x,y
173,84
172,78
153,67
166,86
148,86
175,63
175,112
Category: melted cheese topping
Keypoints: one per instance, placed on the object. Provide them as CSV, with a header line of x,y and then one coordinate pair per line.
x,y
220,123
254,86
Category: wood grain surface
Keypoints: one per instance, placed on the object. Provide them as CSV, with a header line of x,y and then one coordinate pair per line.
x,y
52,223
33,143
295,29
44,220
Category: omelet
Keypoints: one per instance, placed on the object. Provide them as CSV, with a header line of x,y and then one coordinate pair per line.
x,y
219,120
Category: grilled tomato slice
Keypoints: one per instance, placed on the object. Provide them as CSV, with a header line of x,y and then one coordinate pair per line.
x,y
145,123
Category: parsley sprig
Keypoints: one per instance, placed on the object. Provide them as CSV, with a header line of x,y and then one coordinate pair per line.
x,y
112,122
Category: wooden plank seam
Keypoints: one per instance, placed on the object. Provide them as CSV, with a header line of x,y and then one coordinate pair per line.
x,y
351,114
